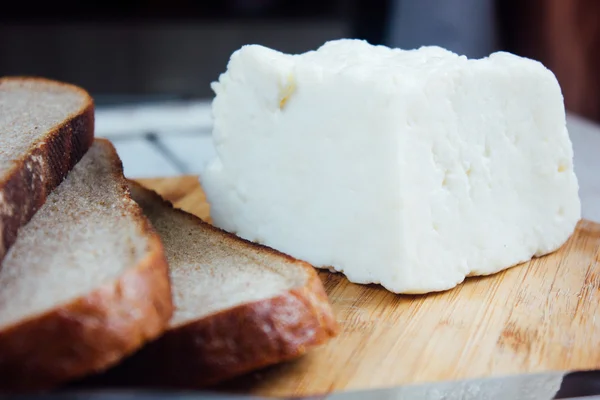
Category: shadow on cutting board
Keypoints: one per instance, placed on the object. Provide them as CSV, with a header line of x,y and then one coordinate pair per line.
x,y
116,379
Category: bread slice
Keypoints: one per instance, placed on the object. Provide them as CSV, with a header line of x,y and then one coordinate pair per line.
x,y
85,284
239,306
45,129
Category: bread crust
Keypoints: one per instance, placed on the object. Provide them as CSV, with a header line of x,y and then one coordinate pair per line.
x,y
25,187
236,340
92,332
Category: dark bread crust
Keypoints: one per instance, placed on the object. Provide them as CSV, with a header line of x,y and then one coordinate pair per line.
x,y
236,340
95,331
26,186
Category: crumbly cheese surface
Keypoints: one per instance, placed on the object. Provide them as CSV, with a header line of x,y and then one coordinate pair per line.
x,y
412,169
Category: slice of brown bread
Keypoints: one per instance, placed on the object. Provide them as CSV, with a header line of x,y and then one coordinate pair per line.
x,y
239,306
85,284
45,129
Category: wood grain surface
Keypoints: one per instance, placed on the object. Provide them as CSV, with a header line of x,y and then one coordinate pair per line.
x,y
539,316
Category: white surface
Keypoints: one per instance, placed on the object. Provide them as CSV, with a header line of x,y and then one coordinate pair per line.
x,y
162,118
194,151
586,145
142,160
308,167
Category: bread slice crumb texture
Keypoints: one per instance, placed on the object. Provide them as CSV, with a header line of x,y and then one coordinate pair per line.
x,y
85,235
239,306
210,269
29,108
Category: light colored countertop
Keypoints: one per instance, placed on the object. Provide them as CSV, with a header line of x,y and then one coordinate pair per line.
x,y
175,138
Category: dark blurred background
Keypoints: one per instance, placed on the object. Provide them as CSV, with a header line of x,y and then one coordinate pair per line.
x,y
142,50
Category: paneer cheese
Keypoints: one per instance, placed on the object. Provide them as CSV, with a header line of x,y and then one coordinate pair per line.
x,y
411,169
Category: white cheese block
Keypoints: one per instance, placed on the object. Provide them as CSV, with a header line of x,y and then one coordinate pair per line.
x,y
412,169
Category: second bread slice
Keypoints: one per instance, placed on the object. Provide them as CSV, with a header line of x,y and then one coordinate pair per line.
x,y
238,306
85,284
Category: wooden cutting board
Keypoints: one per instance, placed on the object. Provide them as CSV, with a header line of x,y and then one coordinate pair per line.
x,y
539,316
